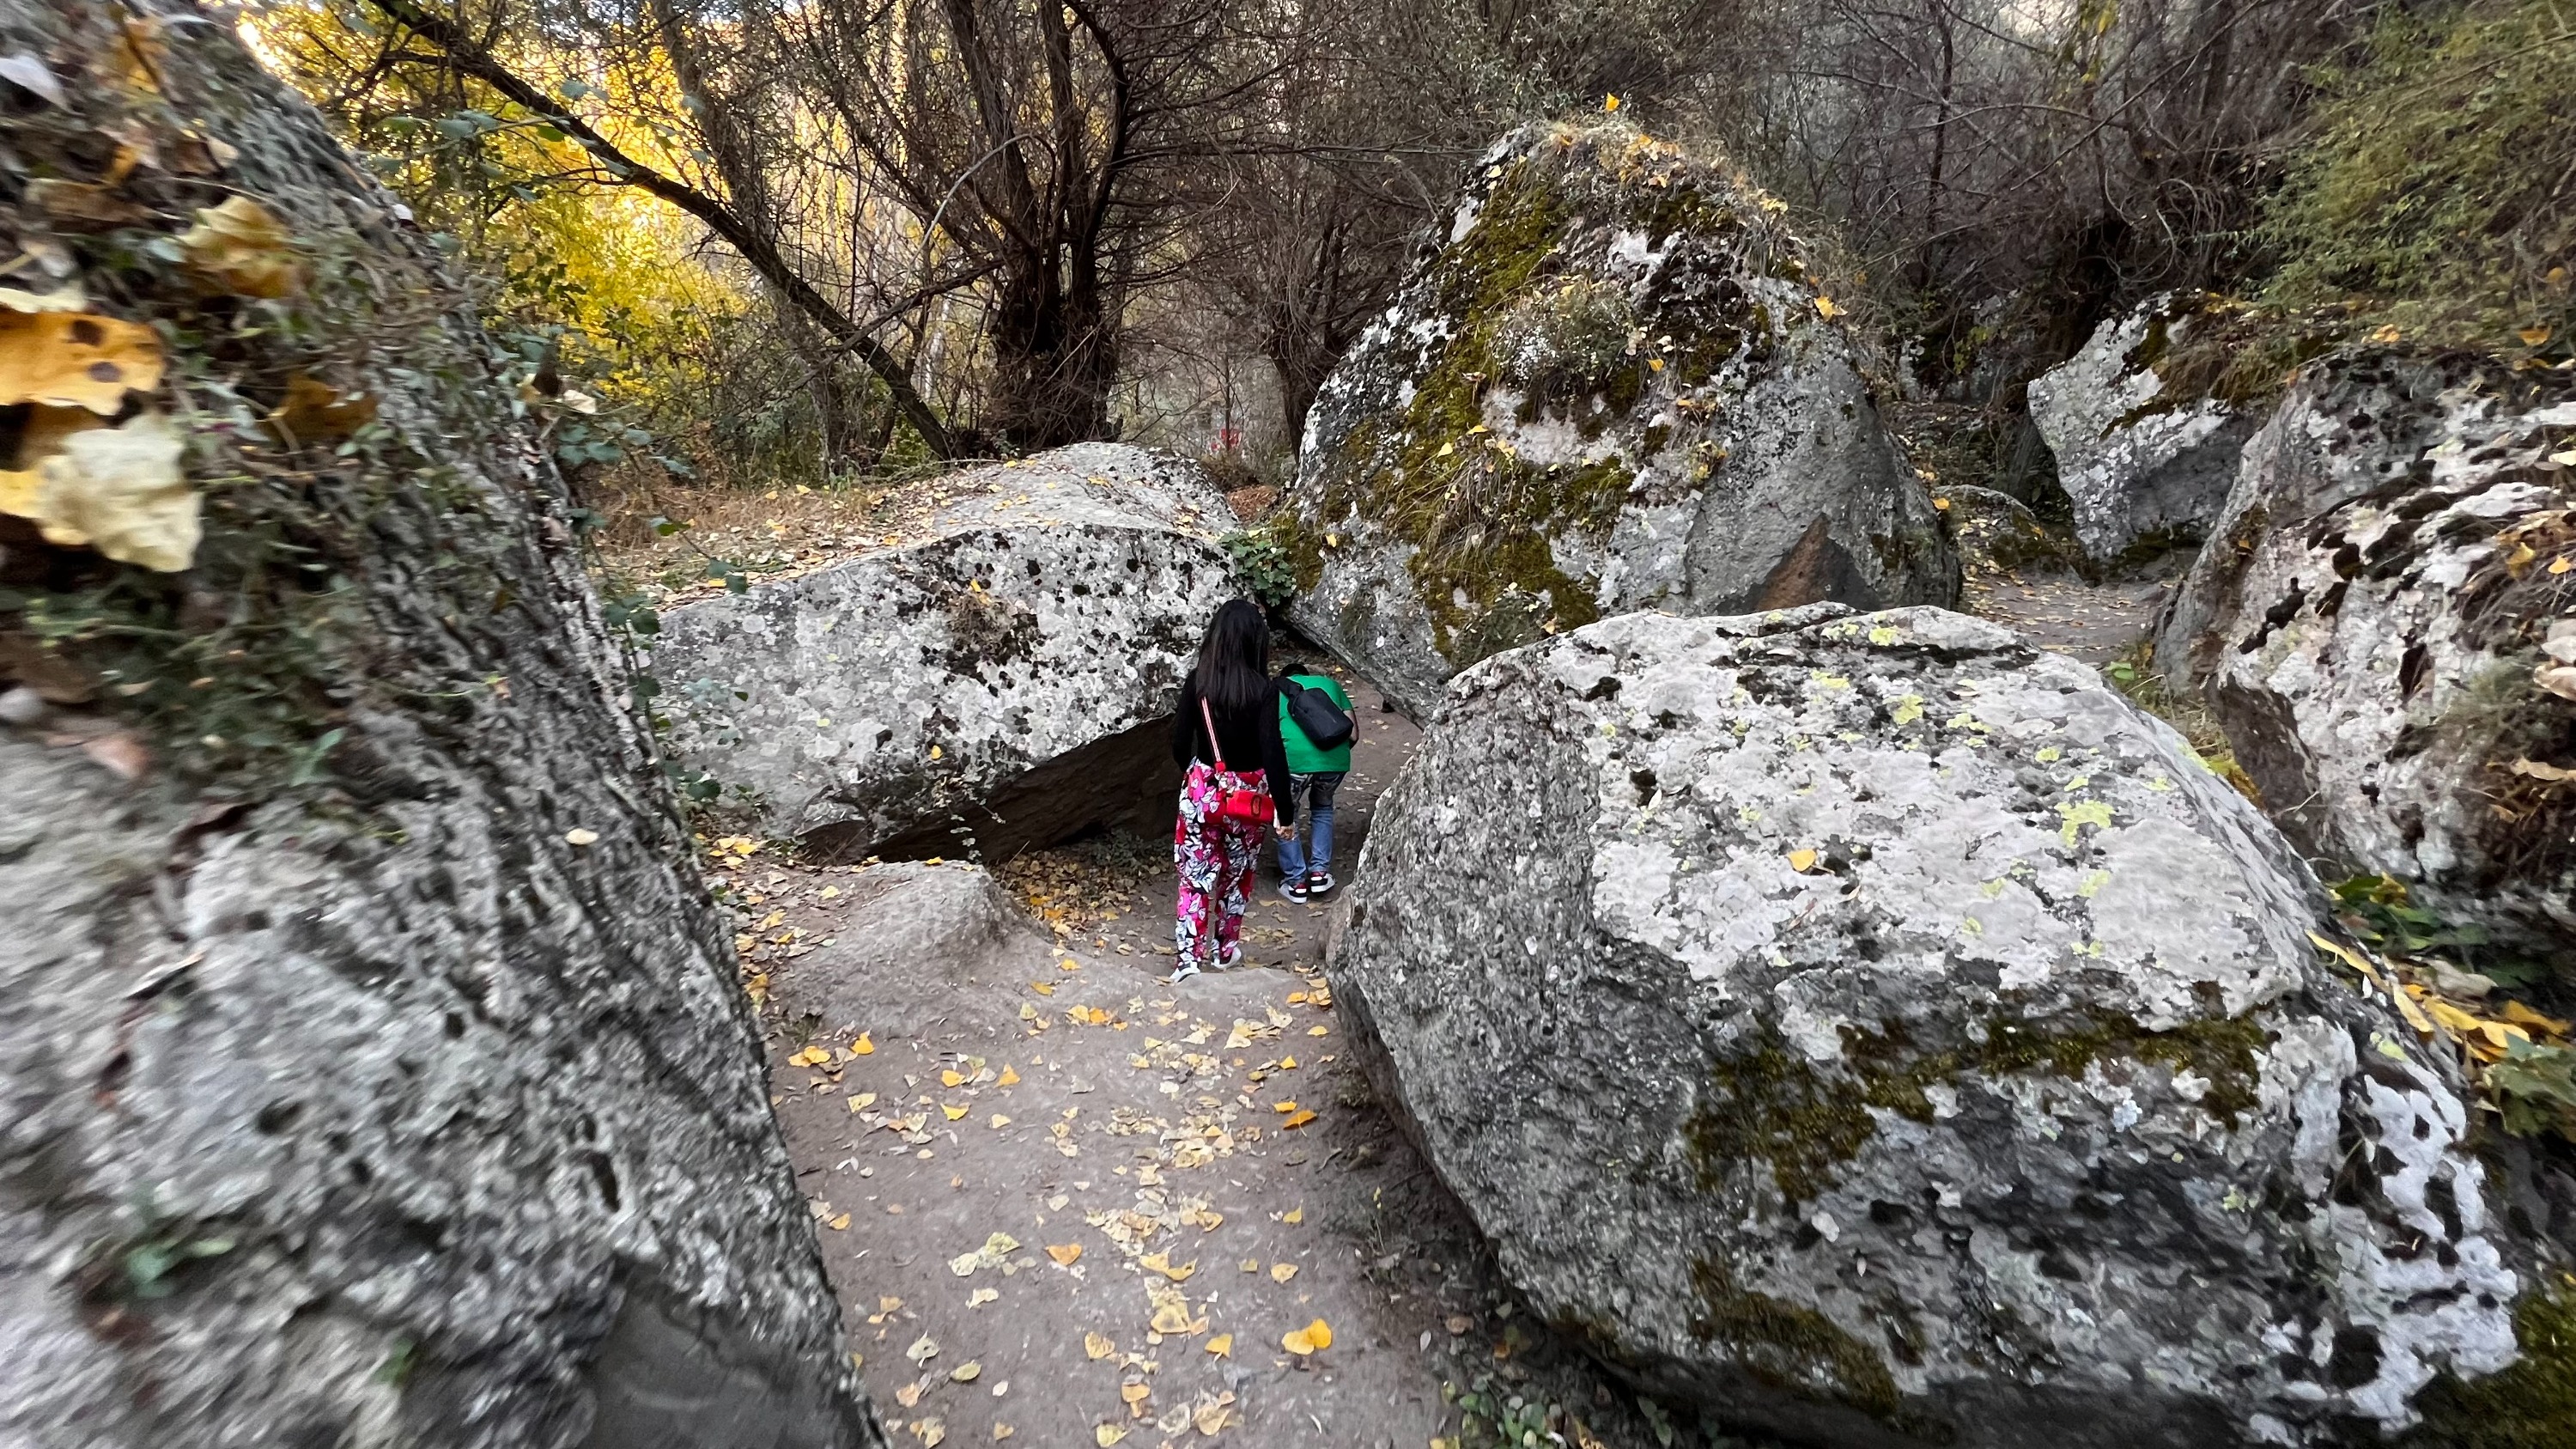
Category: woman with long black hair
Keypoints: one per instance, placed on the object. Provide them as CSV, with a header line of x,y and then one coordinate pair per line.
x,y
1226,736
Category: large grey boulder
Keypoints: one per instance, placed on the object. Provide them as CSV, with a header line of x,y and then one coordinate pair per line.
x,y
2143,461
1878,1032
2372,624
1614,386
373,1066
1005,680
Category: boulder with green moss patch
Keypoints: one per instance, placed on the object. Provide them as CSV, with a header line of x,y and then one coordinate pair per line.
x,y
2372,625
1616,386
1879,1032
2145,460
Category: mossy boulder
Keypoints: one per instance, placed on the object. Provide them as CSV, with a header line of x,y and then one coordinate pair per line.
x,y
1615,385
1876,1031
2384,624
2145,455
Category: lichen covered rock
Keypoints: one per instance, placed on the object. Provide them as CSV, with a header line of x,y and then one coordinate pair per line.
x,y
1879,1032
2373,625
1615,386
1003,681
2144,461
373,1066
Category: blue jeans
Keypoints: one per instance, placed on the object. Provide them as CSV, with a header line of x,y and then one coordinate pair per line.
x,y
1314,793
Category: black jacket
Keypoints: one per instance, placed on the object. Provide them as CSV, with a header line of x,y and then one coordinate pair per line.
x,y
1248,741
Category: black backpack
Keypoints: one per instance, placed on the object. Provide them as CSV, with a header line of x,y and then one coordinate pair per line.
x,y
1315,715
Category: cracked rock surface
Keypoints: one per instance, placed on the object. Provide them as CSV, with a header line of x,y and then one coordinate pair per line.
x,y
2375,624
2141,462
1005,681
1878,1032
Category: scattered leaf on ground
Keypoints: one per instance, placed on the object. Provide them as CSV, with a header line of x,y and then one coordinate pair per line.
x,y
1312,1338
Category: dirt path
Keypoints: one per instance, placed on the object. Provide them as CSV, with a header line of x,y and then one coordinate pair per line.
x,y
2097,623
1208,1148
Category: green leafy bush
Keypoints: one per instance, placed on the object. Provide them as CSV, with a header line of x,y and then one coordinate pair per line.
x,y
1261,565
2433,195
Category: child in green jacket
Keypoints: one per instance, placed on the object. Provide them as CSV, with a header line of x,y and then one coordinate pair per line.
x,y
1305,871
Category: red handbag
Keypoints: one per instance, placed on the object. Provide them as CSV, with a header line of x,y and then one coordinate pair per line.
x,y
1246,807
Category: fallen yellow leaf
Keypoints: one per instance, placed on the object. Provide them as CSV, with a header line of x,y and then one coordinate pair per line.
x,y
2535,334
75,359
1298,1118
965,1373
1094,1344
1008,1078
951,1079
998,1122
240,247
316,412
841,1223
1317,1031
1171,1318
1293,1216
954,1113
1135,1393
1802,860
1107,1434
1313,1338
1826,309
1222,1345
1067,1254
1162,1263
1043,988
1283,1108
1282,1272
862,1047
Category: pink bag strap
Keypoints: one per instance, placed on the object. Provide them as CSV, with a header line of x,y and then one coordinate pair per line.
x,y
1211,729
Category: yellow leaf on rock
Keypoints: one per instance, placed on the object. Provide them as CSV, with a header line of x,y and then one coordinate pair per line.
x,y
954,1113
951,1079
1107,1434
966,1373
1298,1118
1283,1108
75,359
120,491
1802,860
1135,1393
1222,1345
1825,308
1171,1318
2535,334
1162,1263
240,247
1293,1216
1209,1418
841,1223
1008,1078
1066,1254
1312,1338
1097,1346
1282,1272
1317,1031
863,1046
316,412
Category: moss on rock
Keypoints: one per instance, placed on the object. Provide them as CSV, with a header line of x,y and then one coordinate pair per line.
x,y
1773,1105
2531,1405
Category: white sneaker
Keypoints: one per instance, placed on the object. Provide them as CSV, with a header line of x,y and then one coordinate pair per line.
x,y
1229,958
1184,972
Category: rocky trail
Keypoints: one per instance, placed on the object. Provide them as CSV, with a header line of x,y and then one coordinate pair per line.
x,y
2062,612
1063,1201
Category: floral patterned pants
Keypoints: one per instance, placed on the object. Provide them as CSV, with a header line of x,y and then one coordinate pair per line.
x,y
1217,860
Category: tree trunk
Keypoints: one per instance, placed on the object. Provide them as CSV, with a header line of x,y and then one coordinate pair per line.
x,y
374,1064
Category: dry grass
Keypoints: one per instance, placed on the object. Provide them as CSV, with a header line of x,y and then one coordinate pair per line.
x,y
767,533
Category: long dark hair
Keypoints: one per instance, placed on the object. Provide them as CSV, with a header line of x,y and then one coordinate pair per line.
x,y
1234,658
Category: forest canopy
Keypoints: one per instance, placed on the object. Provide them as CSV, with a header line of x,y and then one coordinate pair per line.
x,y
762,244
